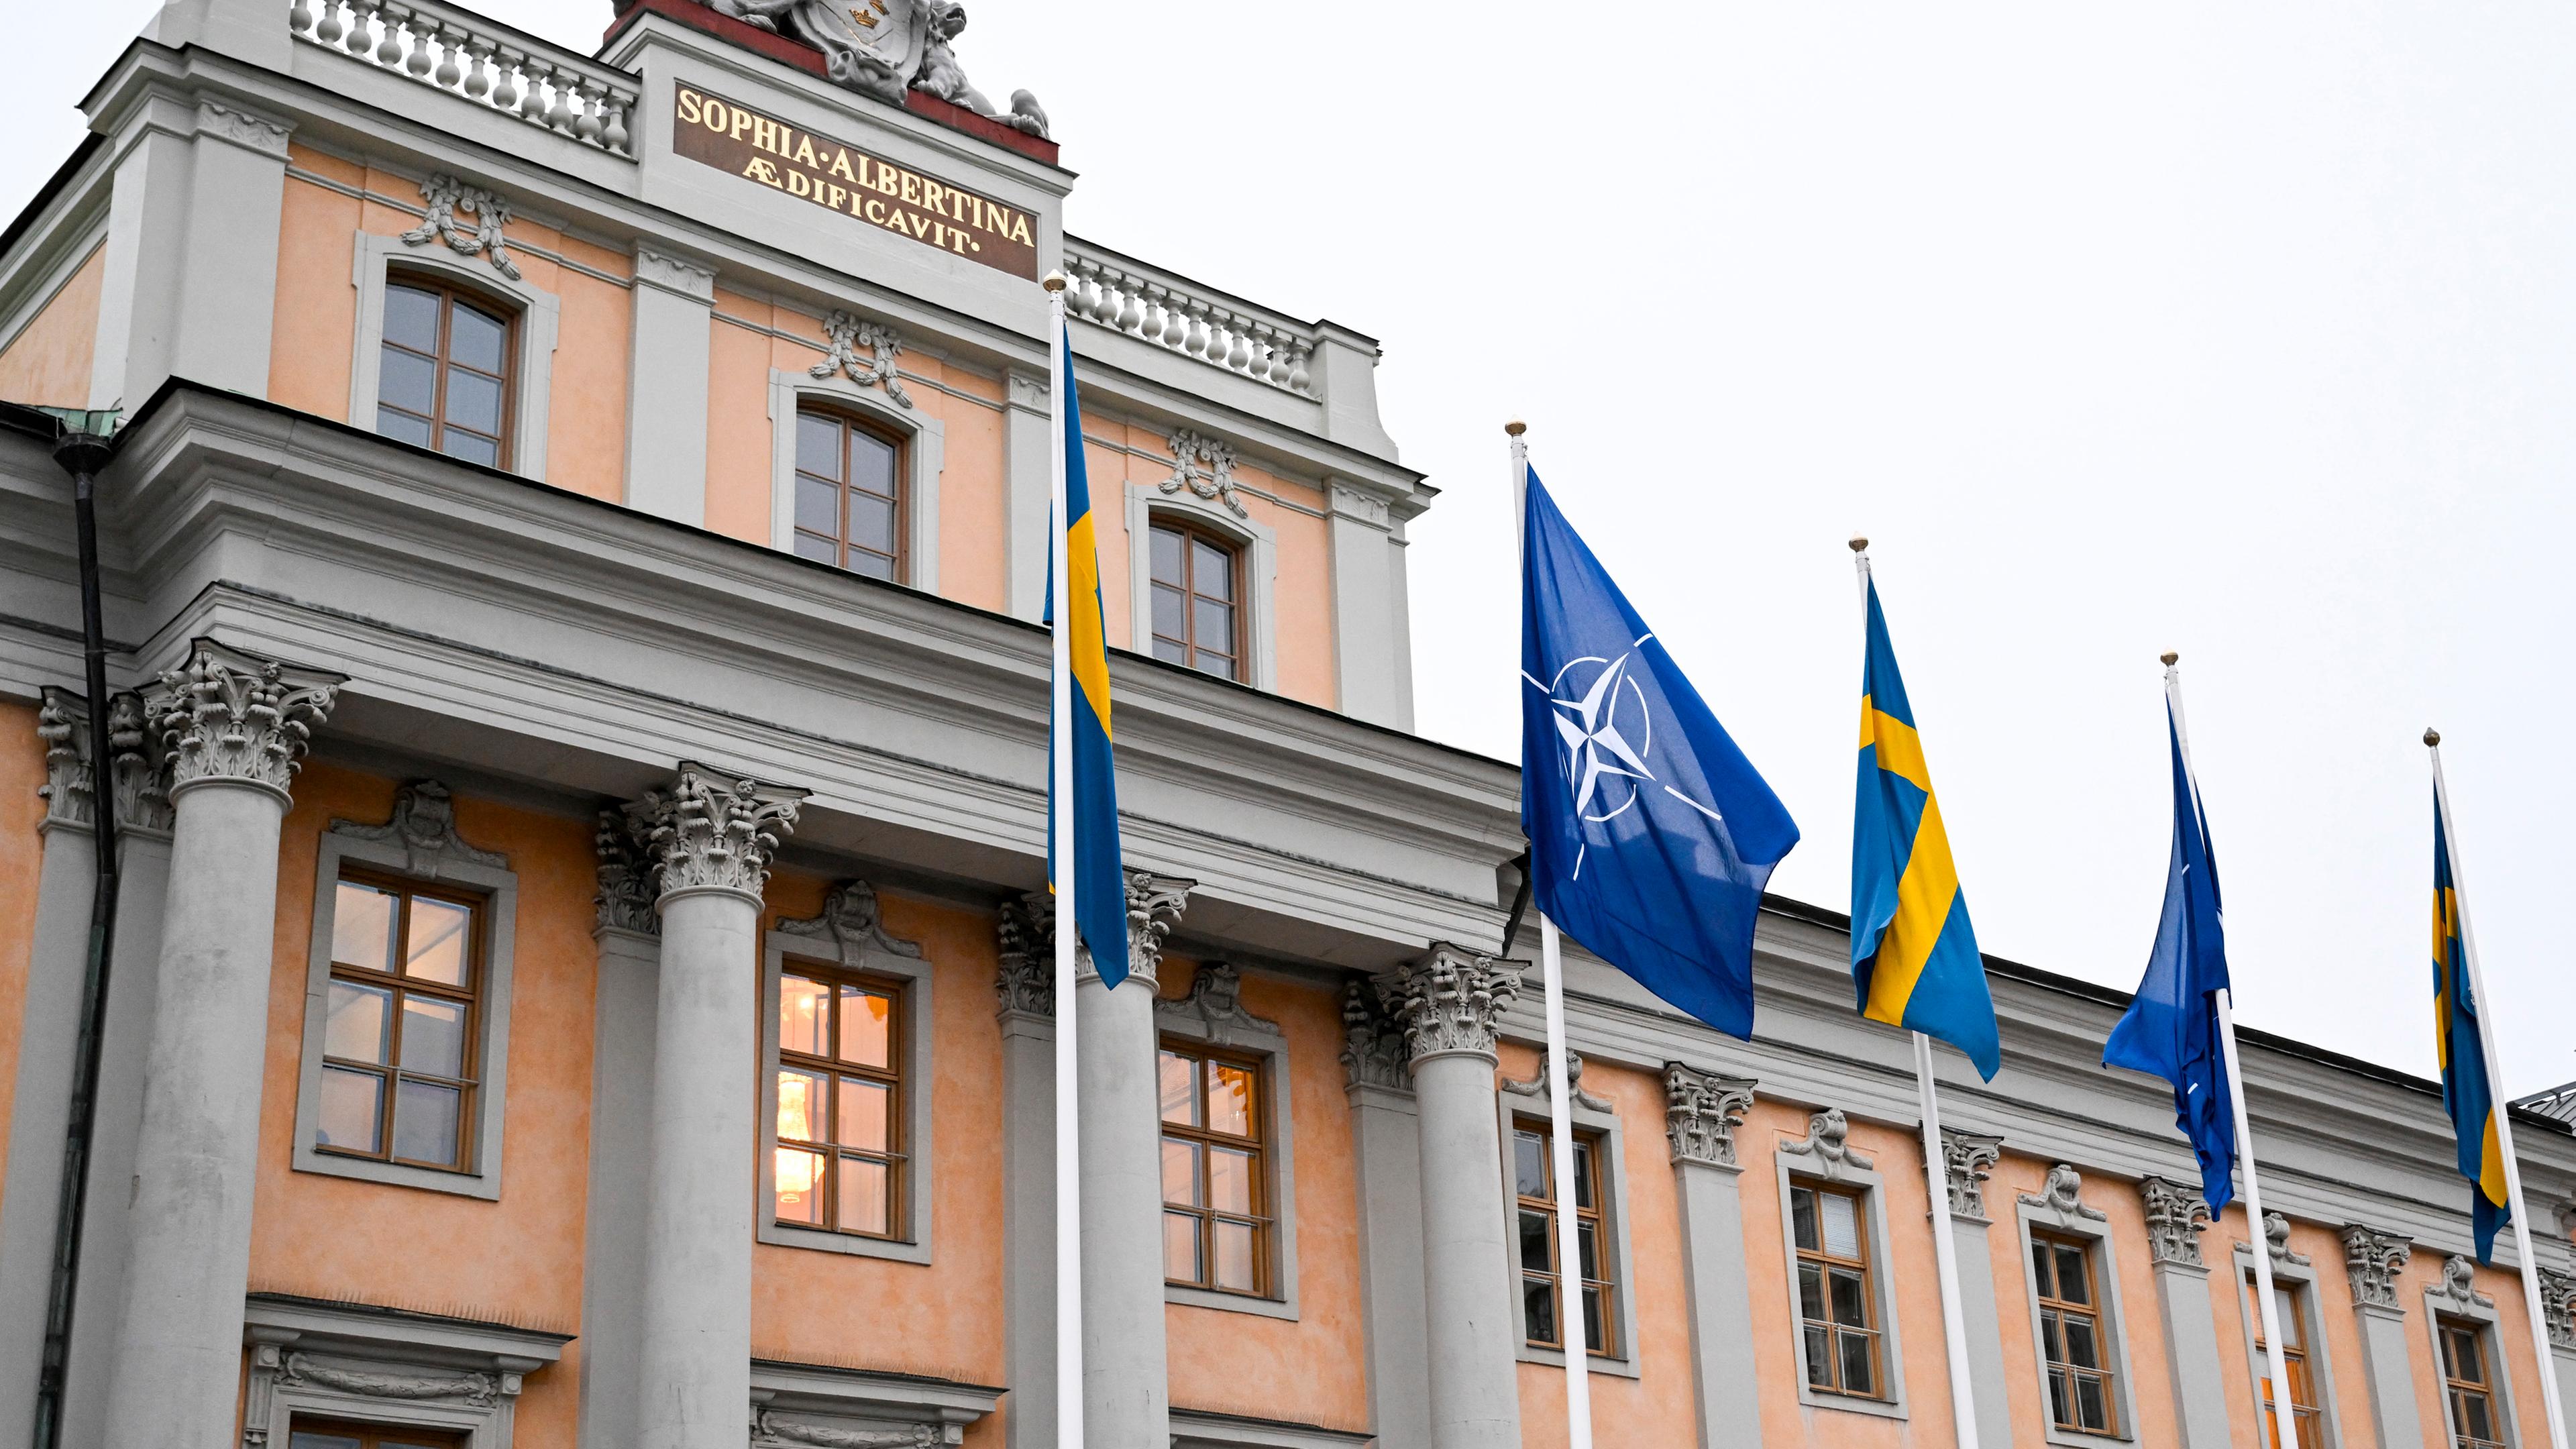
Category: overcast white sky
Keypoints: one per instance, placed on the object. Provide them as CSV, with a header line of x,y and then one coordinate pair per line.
x,y
2243,330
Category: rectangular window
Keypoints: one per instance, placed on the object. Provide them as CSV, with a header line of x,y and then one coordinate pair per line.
x,y
841,1154
1534,1181
443,381
1837,1303
2294,1361
309,1435
2080,1396
400,1024
848,494
2469,1382
1216,1181
1197,621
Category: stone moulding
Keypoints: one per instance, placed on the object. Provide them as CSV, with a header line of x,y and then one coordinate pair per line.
x,y
2558,1307
853,924
625,898
2276,1237
2460,1284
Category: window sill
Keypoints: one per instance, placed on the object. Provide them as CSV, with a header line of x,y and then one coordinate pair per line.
x,y
2078,1439
1875,1408
1611,1364
309,1158
1230,1302
783,1235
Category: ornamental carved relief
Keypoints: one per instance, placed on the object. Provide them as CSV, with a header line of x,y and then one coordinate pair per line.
x,y
1967,1159
1215,1005
849,336
1026,933
1154,906
882,48
1373,1050
2558,1307
712,832
424,824
1827,1145
851,928
767,1429
625,898
1701,1112
445,196
2460,1284
2276,1237
1450,1001
2372,1261
2176,1217
1537,1086
1205,466
477,1389
226,715
2063,1194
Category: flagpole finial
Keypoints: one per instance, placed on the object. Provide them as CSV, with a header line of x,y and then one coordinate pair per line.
x,y
2432,738
1859,544
1515,428
1054,282
2169,657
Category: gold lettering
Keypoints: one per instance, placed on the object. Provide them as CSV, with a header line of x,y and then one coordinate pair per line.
x,y
718,115
957,241
799,184
911,189
837,194
894,222
741,122
933,195
761,171
841,166
889,181
690,109
875,207
764,133
805,153
1020,230
920,226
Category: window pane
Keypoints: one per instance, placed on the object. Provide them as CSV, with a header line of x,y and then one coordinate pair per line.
x,y
862,1120
871,463
2082,1348
1842,1225
1538,1309
1211,570
1181,1248
799,1195
804,1016
1171,652
1587,1250
1582,1173
433,1036
425,1122
1850,1297
824,549
457,443
2286,1309
863,1204
2070,1274
1529,1164
402,427
871,522
411,317
1211,662
2042,1262
1167,558
354,1022
1171,615
2090,1403
1229,1180
2475,1418
352,1104
2061,1398
818,505
408,381
800,1105
1802,1218
1811,1292
1536,1253
873,565
1214,624
1593,1336
436,949
474,337
306,1439
1857,1377
1229,1103
866,1023
362,926
2052,1336
1181,1173
1234,1257
1820,1358
818,446
1180,1084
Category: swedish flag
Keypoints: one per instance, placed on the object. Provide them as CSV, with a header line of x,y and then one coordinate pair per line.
x,y
2466,1091
1914,955
1100,884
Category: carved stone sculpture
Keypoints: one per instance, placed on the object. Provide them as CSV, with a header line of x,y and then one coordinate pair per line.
x,y
1025,978
1154,906
2558,1307
1701,1113
768,1428
882,48
625,899
2063,1194
1373,1050
1215,1002
709,832
2372,1260
2460,1284
1451,1000
70,788
1205,466
2176,1217
1536,1086
1027,938
228,715
1828,1143
477,1389
2276,1236
1966,1160
849,337
424,822
447,196
853,924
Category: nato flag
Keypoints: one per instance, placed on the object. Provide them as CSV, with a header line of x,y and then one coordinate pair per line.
x,y
2171,1030
1650,835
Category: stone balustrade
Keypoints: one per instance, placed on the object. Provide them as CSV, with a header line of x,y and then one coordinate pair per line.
x,y
467,56
1125,295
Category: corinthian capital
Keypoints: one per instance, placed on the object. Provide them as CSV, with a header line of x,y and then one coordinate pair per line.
x,y
2372,1262
1154,906
1450,1001
1027,981
715,832
2176,1217
2558,1307
625,898
228,716
1701,1113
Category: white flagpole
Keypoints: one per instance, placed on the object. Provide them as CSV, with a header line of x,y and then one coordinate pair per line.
x,y
2285,1414
1936,1173
2503,1118
1569,1248
1067,934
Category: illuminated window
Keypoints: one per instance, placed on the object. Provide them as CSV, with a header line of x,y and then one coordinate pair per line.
x,y
1837,1303
849,504
1198,619
2468,1382
444,379
1216,1185
401,1024
841,1155
1534,1183
2080,1398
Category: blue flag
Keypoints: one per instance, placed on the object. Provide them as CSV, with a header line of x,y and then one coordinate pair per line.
x,y
1100,882
1651,836
2171,1029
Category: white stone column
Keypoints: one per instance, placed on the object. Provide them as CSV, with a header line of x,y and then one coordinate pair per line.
x,y
2176,1217
235,726
2373,1262
711,837
1026,985
624,1009
1701,1110
666,403
1386,1141
1126,1388
1967,1157
1449,1002
1028,420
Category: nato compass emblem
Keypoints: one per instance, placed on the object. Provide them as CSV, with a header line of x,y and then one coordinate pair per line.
x,y
1608,732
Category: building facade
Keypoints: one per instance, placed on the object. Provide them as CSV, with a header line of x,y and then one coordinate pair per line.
x,y
571,565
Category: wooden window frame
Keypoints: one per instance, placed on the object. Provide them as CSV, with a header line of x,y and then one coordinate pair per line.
x,y
1190,532
449,293
848,421
2307,1413
374,1436
2455,1389
471,994
1880,1391
2094,1309
1263,1218
1594,1166
897,1155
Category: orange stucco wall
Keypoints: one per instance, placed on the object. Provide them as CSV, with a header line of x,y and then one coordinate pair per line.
x,y
48,362
516,1260
22,771
1314,1370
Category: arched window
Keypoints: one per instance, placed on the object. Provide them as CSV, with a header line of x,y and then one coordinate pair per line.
x,y
445,378
849,500
1198,609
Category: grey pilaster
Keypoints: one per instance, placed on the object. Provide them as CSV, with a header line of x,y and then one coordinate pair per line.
x,y
1701,1111
1368,620
2373,1262
2176,1217
711,837
1345,377
1028,458
1386,1141
2558,1307
1967,1158
666,411
1026,987
171,302
625,1006
1126,1391
235,726
1449,1002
